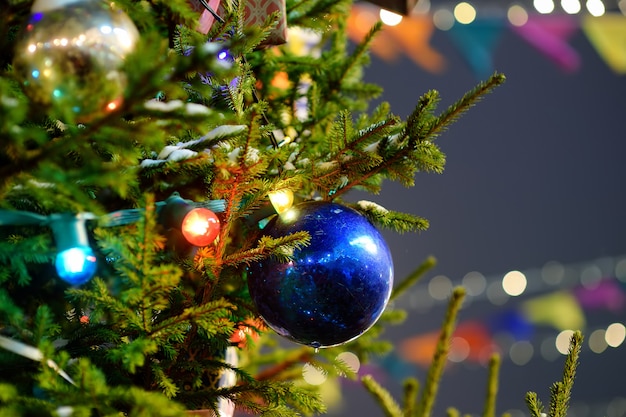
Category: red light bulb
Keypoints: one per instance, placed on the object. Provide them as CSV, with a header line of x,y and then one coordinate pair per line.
x,y
200,226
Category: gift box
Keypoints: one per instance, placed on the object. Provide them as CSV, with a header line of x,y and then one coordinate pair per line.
x,y
255,13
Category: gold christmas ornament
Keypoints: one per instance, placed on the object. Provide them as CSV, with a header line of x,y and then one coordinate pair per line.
x,y
69,59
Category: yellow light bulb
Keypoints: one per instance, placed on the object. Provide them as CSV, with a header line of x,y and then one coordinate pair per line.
x,y
281,200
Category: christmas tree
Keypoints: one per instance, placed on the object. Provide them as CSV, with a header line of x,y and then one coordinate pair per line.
x,y
175,181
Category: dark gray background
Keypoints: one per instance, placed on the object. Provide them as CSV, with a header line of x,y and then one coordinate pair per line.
x,y
535,173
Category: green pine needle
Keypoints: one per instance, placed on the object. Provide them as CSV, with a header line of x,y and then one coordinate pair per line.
x,y
428,264
411,391
383,397
492,386
433,377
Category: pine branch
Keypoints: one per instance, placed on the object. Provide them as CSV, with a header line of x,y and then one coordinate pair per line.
x,y
453,112
429,392
561,390
492,386
282,247
382,396
213,317
428,264
272,373
534,405
411,391
361,51
452,412
394,220
421,117
45,326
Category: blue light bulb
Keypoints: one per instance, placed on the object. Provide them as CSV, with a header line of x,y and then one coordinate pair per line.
x,y
224,55
76,265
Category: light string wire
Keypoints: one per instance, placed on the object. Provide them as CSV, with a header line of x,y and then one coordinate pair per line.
x,y
112,219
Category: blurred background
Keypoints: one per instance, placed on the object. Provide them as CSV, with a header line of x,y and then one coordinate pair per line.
x,y
529,214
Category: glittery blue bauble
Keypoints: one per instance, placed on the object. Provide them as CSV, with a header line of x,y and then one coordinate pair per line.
x,y
334,289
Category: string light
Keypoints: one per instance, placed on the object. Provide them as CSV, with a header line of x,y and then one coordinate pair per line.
x,y
467,9
571,6
390,18
76,265
281,200
198,225
595,7
76,261
465,13
544,6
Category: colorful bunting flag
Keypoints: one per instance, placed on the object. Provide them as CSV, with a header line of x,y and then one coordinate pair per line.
x,y
477,42
606,295
410,37
512,322
549,34
560,310
607,34
413,34
421,348
360,21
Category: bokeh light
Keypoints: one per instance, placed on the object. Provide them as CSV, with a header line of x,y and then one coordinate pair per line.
x,y
615,334
571,6
422,7
553,273
464,13
617,407
313,375
390,18
544,6
521,352
562,341
496,294
591,276
440,287
459,349
475,283
597,341
443,19
517,15
350,361
595,7
548,349
514,283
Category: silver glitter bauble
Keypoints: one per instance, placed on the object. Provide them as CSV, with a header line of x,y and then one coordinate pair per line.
x,y
70,57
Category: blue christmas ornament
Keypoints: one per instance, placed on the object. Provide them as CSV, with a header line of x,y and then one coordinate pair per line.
x,y
334,289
